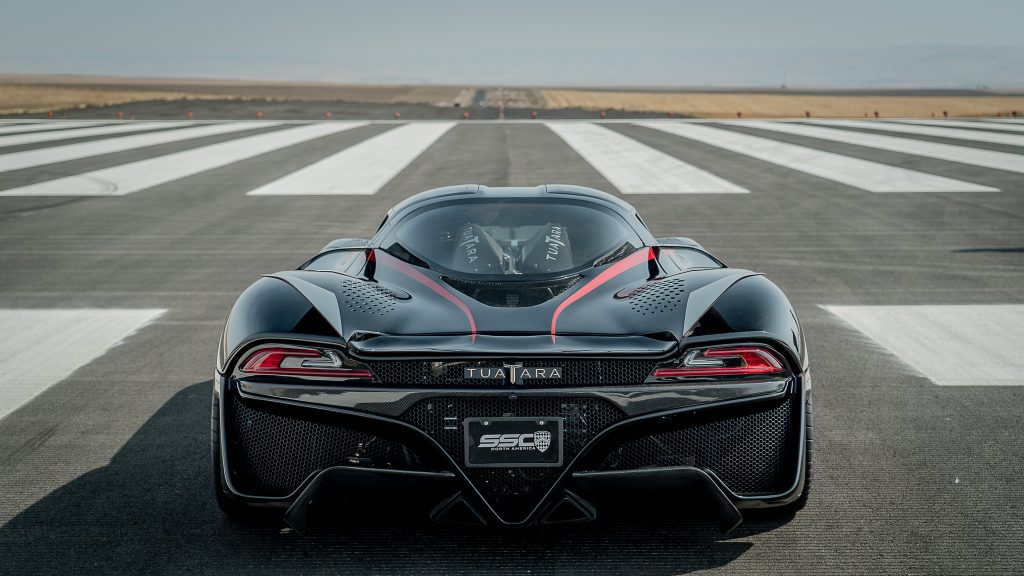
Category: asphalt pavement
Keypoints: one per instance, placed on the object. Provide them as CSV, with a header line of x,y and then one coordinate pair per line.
x,y
107,470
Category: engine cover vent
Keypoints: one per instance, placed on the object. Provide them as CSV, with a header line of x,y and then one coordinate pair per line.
x,y
512,294
366,297
660,297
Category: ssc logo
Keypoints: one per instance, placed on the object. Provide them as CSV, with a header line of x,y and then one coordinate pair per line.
x,y
542,440
539,440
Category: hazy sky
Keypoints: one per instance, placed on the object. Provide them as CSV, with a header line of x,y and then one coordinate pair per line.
x,y
736,42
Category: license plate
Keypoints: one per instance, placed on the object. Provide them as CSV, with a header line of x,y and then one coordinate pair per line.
x,y
513,442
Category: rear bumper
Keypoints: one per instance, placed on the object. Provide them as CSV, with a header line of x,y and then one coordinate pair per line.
x,y
688,453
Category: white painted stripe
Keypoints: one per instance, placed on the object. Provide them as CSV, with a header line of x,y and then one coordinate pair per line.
x,y
363,168
51,135
21,128
870,176
635,168
940,131
29,158
962,154
135,176
1004,120
43,347
968,124
969,345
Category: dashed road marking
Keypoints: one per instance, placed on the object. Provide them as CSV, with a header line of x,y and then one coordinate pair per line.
x,y
940,131
135,176
967,124
962,154
30,158
363,168
51,135
43,347
863,174
954,345
636,168
41,127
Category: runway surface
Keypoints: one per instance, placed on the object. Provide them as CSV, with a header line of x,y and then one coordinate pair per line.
x,y
122,247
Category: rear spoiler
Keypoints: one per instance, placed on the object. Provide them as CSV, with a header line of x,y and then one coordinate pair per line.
x,y
447,345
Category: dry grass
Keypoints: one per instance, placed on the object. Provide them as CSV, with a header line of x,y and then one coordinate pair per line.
x,y
31,93
753,105
18,99
38,93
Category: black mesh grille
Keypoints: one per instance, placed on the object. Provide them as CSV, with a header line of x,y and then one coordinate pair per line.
x,y
512,294
512,492
271,454
575,373
753,454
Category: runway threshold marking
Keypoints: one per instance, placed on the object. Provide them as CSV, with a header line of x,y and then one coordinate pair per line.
x,y
636,168
983,125
30,158
43,347
362,168
954,345
962,154
863,174
48,136
134,176
923,130
61,125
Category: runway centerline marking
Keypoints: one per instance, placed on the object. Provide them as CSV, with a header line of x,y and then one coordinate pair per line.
x,y
953,345
923,130
962,154
863,174
60,125
636,168
43,347
363,168
30,158
134,176
50,135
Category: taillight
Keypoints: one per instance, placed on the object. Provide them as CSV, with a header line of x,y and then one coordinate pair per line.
x,y
288,361
724,361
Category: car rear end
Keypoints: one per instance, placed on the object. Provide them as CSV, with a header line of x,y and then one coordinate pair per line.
x,y
514,441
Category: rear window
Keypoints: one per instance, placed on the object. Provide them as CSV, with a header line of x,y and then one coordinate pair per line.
x,y
513,239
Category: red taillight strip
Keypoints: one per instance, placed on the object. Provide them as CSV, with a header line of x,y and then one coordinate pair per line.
x,y
269,360
756,361
634,259
418,276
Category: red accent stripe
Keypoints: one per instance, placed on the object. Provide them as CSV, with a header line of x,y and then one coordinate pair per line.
x,y
415,274
634,259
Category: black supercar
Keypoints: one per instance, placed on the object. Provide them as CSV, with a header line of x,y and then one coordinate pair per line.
x,y
512,356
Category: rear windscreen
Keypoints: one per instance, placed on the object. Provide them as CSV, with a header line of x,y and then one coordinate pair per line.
x,y
512,238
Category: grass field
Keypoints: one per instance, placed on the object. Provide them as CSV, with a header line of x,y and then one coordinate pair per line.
x,y
781,105
30,93
39,93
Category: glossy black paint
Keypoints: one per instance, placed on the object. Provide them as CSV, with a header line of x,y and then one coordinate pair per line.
x,y
268,306
756,305
390,427
418,314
